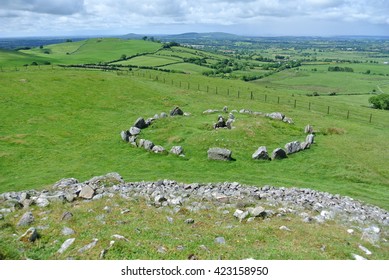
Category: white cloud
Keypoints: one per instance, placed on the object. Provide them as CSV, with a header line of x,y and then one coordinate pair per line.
x,y
155,16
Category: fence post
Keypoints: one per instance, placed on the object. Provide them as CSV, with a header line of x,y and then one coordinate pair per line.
x,y
295,102
278,100
371,115
265,97
180,83
216,90
238,93
207,88
309,106
328,110
252,97
188,85
348,114
228,91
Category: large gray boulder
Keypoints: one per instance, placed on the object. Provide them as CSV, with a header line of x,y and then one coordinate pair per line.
x,y
278,154
293,147
140,123
276,116
219,154
261,153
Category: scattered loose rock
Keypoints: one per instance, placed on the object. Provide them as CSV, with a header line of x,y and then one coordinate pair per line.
x,y
26,219
30,235
87,192
220,240
67,231
88,246
66,245
140,123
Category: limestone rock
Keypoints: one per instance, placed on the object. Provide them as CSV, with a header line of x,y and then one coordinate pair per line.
x,y
26,219
292,147
257,211
304,145
261,153
278,154
66,182
158,149
240,214
88,246
308,129
30,235
310,138
284,228
176,112
87,192
42,202
125,134
134,131
66,245
120,237
177,150
140,123
219,154
276,116
66,216
220,240
67,231
148,145
163,115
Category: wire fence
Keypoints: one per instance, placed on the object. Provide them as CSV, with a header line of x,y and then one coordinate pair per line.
x,y
360,114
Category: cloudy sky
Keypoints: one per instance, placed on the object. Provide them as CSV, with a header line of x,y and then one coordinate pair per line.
x,y
246,17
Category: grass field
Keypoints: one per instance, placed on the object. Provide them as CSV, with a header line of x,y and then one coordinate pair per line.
x,y
66,122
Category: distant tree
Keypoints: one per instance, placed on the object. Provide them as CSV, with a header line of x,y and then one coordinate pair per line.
x,y
144,38
367,72
123,57
380,101
34,63
41,46
69,40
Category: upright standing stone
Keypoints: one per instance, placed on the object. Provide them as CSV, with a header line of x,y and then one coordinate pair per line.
x,y
140,123
278,154
308,129
310,138
176,112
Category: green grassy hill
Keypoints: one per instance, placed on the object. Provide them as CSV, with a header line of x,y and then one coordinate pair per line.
x,y
66,123
60,122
